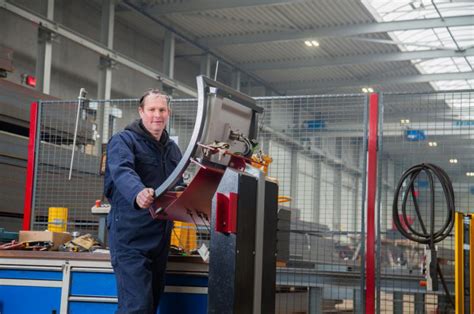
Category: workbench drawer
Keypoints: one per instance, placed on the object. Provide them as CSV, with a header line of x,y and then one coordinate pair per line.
x,y
183,303
93,284
30,274
91,308
27,300
186,280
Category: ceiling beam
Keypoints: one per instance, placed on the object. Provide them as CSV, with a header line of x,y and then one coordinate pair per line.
x,y
219,57
404,79
401,43
340,31
207,5
361,59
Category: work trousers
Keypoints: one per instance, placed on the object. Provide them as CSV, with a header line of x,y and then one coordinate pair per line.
x,y
140,276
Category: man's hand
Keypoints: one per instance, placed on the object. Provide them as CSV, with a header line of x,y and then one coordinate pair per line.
x,y
145,198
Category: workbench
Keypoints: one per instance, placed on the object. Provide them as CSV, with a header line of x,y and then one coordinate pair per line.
x,y
80,283
59,282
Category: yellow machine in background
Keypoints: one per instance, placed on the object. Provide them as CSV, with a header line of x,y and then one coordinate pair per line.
x,y
464,262
184,236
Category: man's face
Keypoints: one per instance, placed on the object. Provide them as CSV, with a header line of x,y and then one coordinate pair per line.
x,y
155,113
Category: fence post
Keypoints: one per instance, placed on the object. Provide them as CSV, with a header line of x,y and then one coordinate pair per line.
x,y
371,193
30,167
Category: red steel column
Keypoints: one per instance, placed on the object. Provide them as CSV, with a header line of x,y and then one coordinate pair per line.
x,y
30,168
371,191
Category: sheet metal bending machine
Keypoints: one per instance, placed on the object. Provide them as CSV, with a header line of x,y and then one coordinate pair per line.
x,y
234,199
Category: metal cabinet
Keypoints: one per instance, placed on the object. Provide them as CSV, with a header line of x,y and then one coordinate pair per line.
x,y
29,284
25,299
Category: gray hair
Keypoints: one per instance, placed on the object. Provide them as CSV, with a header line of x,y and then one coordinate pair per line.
x,y
154,91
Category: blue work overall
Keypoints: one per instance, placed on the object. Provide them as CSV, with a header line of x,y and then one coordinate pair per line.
x,y
138,244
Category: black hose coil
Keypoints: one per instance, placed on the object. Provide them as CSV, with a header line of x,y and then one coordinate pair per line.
x,y
431,237
424,237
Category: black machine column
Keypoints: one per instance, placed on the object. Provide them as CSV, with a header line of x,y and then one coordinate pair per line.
x,y
234,246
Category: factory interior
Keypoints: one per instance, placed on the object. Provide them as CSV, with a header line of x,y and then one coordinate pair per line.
x,y
323,156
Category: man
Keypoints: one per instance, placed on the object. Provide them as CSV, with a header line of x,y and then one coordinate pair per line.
x,y
139,159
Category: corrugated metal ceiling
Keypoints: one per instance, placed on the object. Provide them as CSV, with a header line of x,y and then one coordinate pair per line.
x,y
295,15
296,50
366,71
285,17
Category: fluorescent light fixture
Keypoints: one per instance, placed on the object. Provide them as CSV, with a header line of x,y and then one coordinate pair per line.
x,y
453,161
416,5
370,90
311,43
404,121
470,174
432,144
365,90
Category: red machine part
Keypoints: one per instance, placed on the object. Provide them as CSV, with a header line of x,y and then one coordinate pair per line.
x,y
226,212
193,205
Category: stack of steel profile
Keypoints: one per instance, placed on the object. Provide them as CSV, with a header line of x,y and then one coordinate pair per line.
x,y
15,101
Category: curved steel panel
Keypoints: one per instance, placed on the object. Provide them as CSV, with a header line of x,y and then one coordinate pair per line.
x,y
177,173
207,88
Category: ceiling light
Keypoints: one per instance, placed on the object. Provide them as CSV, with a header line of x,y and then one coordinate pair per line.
x,y
470,174
365,90
404,121
315,43
416,5
433,144
308,43
370,90
453,161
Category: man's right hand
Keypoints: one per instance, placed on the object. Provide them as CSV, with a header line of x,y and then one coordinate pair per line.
x,y
145,198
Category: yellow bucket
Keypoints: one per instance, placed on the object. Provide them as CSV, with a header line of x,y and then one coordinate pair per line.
x,y
57,219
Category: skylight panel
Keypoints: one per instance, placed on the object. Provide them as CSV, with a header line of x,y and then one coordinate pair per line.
x,y
454,85
389,10
445,65
456,38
